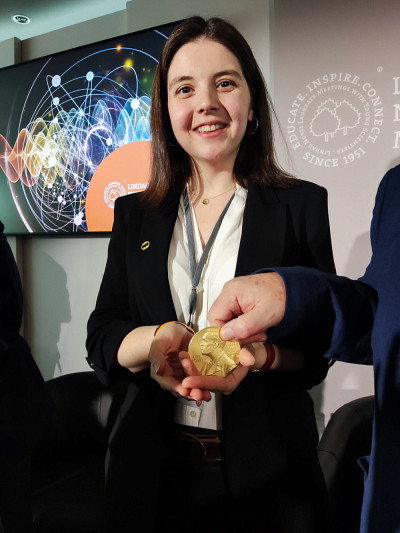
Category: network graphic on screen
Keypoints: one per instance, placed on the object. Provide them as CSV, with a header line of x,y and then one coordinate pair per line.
x,y
79,107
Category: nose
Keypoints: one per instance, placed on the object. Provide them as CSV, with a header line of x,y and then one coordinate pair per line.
x,y
207,100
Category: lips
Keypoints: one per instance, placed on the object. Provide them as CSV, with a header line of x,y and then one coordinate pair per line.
x,y
210,127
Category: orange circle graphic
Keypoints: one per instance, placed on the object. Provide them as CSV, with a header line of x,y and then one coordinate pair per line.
x,y
125,171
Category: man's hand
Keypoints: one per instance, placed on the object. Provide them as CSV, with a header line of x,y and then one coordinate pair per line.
x,y
248,306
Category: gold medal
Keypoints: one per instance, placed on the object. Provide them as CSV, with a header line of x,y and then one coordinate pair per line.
x,y
211,355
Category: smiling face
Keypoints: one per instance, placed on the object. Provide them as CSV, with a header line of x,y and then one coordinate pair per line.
x,y
209,102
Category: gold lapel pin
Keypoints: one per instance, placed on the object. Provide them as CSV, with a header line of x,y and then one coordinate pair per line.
x,y
145,245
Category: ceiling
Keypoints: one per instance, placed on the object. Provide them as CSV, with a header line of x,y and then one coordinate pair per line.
x,y
49,15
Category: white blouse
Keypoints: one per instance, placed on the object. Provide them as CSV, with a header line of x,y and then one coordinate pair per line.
x,y
219,268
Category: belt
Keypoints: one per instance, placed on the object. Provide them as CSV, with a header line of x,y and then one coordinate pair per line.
x,y
196,448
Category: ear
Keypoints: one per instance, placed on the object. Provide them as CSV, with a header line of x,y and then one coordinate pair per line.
x,y
250,116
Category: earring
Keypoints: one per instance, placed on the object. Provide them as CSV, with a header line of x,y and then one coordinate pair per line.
x,y
256,126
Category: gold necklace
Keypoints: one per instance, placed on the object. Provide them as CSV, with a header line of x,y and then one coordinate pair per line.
x,y
206,201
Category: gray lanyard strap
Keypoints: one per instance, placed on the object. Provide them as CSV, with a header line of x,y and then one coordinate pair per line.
x,y
197,269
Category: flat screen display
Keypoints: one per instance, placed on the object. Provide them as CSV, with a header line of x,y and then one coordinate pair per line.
x,y
75,134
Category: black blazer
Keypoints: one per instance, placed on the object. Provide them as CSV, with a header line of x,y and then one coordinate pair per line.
x,y
281,227
268,414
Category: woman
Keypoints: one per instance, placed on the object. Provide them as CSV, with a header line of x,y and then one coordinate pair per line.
x,y
213,161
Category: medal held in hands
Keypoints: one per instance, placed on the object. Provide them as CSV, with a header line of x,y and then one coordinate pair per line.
x,y
211,355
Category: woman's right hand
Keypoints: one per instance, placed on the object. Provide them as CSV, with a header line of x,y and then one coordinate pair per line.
x,y
165,364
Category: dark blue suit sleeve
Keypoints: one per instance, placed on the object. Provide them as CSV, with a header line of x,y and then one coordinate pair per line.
x,y
328,313
334,314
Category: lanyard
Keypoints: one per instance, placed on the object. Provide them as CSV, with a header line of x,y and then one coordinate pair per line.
x,y
197,269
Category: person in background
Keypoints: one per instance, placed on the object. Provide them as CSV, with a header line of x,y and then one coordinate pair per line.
x,y
23,401
351,321
184,457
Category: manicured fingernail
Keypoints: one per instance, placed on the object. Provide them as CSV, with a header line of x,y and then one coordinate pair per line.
x,y
198,403
156,366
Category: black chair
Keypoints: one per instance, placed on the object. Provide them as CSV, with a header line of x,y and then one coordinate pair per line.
x,y
68,463
346,438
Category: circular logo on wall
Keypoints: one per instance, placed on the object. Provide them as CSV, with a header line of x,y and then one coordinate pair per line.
x,y
334,120
113,191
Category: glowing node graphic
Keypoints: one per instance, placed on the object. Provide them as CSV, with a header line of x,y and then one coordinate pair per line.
x,y
56,81
135,103
78,219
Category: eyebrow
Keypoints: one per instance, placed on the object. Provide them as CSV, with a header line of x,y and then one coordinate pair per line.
x,y
232,72
179,79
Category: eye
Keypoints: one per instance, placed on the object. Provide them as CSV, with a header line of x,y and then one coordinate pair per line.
x,y
226,84
184,91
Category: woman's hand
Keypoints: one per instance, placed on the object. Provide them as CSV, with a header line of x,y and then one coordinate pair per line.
x,y
165,364
251,356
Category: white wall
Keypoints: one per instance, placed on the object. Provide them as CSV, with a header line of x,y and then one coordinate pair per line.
x,y
327,53
62,275
10,52
78,35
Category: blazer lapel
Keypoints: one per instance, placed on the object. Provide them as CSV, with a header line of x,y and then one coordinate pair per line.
x,y
152,259
263,234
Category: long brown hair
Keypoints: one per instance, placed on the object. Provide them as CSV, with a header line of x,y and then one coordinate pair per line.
x,y
256,160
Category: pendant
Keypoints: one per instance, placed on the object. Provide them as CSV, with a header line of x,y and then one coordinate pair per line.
x,y
206,201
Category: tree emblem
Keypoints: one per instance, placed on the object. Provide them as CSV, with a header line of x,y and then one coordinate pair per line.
x,y
348,116
331,117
